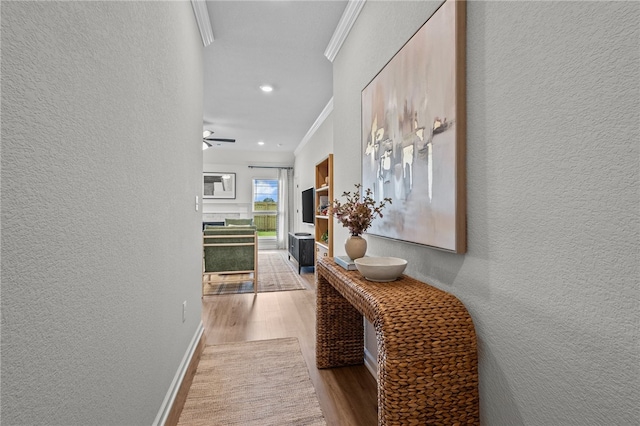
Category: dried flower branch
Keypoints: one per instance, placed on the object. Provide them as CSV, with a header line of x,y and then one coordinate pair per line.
x,y
356,214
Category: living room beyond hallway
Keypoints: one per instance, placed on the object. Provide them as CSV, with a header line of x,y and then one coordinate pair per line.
x,y
274,273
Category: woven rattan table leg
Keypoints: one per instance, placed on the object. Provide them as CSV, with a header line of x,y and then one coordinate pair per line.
x,y
427,348
339,329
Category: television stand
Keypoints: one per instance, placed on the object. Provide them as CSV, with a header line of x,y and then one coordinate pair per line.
x,y
301,248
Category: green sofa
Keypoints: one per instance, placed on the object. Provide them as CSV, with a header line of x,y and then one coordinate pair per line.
x,y
230,249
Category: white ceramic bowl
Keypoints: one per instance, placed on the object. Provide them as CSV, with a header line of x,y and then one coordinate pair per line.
x,y
382,269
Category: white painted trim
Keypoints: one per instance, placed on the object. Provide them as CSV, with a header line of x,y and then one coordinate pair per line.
x,y
371,363
201,12
341,32
170,398
314,127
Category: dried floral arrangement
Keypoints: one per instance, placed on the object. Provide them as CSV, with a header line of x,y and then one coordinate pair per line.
x,y
356,214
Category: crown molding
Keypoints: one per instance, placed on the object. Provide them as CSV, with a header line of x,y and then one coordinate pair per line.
x,y
314,127
201,12
347,20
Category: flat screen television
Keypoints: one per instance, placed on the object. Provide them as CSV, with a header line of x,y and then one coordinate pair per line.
x,y
307,206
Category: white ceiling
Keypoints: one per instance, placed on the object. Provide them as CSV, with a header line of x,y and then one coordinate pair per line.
x,y
280,43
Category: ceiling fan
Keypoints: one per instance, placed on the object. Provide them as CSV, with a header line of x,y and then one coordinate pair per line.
x,y
208,140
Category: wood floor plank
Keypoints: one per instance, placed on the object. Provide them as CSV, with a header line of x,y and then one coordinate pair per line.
x,y
348,395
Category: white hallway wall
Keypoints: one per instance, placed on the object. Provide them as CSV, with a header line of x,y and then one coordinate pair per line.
x,y
101,163
551,274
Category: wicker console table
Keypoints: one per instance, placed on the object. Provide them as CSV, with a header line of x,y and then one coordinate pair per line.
x,y
427,354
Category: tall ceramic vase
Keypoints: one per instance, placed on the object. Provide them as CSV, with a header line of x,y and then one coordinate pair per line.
x,y
355,246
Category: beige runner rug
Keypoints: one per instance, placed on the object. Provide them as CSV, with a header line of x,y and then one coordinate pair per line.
x,y
257,383
275,273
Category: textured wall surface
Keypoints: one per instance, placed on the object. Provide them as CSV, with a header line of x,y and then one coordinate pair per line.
x,y
551,275
101,163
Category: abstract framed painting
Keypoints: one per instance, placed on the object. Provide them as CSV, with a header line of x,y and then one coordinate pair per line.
x,y
413,135
219,185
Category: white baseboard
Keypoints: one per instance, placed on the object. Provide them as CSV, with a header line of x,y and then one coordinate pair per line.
x,y
169,399
371,363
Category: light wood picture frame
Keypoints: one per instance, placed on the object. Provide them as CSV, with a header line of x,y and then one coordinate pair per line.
x,y
414,135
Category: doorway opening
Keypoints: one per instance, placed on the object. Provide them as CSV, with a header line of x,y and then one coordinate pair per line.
x,y
265,212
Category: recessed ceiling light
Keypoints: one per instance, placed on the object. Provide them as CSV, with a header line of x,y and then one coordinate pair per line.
x,y
260,143
266,88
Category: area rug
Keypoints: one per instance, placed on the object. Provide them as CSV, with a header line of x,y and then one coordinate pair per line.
x,y
259,383
275,273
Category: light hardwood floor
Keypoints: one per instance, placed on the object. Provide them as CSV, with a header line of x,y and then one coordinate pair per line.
x,y
347,395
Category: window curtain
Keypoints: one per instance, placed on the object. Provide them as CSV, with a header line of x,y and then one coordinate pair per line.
x,y
285,206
